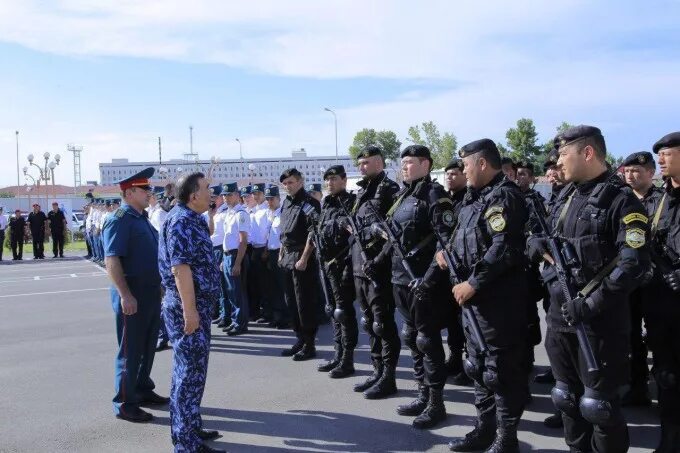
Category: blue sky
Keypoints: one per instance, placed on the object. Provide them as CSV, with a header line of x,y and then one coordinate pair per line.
x,y
114,75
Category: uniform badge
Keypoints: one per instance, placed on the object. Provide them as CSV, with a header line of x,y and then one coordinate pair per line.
x,y
635,217
641,159
497,222
447,218
493,210
635,237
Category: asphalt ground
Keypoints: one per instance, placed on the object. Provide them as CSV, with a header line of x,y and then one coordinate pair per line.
x,y
57,346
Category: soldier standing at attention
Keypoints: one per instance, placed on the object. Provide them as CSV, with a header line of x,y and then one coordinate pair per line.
x,y
662,309
192,287
17,229
37,222
131,248
374,293
603,227
639,169
489,240
299,270
335,257
421,211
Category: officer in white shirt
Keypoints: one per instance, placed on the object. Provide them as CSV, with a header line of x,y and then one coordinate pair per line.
x,y
3,226
96,231
274,276
155,211
236,229
259,227
215,219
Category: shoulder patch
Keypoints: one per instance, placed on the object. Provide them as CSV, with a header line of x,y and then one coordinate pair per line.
x,y
497,222
242,216
493,210
120,212
444,200
635,217
635,237
448,218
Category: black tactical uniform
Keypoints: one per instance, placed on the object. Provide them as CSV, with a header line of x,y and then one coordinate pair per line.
x,y
639,371
421,206
300,286
17,229
337,262
456,337
375,196
489,240
606,227
662,306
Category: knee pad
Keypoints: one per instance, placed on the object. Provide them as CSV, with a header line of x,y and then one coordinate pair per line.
x,y
409,336
490,379
340,315
379,328
598,410
424,343
666,378
366,325
564,400
472,369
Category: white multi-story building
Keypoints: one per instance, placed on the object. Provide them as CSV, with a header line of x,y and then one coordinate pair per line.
x,y
267,169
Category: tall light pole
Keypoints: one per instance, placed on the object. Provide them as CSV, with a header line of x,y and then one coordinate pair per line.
x,y
335,119
46,172
240,155
16,133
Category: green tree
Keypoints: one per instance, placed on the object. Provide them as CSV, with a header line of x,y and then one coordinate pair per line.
x,y
523,140
442,146
548,146
386,140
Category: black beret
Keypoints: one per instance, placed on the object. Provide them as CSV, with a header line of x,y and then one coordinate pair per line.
x,y
335,170
315,187
576,133
370,150
484,144
526,164
667,141
416,151
639,158
271,192
455,163
290,172
551,160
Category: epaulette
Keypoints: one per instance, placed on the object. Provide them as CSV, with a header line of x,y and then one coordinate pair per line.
x,y
120,212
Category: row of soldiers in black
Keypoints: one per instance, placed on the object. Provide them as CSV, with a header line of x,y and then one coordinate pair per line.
x,y
473,255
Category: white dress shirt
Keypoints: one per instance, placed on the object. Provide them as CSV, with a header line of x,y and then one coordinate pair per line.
x,y
259,227
217,237
236,220
274,237
3,223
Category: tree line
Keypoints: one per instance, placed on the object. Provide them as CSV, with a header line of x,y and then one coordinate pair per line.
x,y
521,143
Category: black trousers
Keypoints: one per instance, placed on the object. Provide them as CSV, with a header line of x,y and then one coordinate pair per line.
x,y
274,289
345,329
17,244
456,337
639,372
568,365
664,341
2,242
38,244
58,243
377,306
423,337
256,284
501,387
301,295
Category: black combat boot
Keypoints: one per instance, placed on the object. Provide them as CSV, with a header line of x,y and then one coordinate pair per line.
x,y
670,438
434,412
478,439
307,352
335,361
416,406
505,442
372,379
345,367
385,386
297,347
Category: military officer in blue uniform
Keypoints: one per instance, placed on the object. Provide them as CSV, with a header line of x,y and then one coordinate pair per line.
x,y
131,248
191,280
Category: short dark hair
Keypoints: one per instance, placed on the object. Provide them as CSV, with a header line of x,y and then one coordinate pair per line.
x,y
597,142
492,158
187,185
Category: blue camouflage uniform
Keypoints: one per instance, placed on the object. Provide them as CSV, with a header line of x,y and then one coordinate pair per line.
x,y
185,239
128,235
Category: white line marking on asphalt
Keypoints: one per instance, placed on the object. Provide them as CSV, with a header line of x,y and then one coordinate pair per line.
x,y
39,268
37,277
73,275
52,292
52,277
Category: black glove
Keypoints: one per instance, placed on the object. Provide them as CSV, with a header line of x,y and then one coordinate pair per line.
x,y
673,280
370,268
537,245
420,289
575,311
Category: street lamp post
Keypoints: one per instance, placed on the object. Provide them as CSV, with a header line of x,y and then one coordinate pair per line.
x,y
240,155
16,133
46,173
335,119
